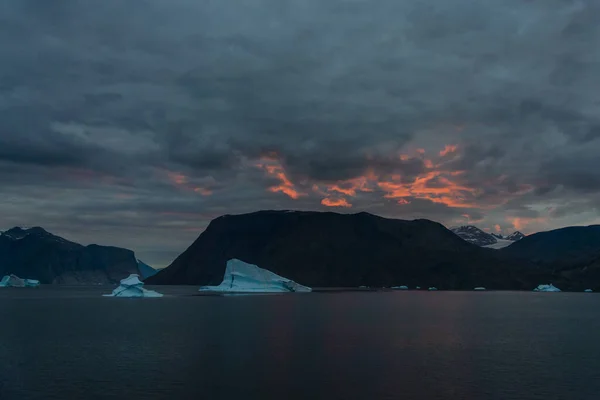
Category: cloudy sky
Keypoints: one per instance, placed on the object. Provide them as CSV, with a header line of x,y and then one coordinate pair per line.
x,y
135,122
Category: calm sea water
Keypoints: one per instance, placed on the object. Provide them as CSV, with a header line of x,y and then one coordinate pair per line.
x,y
70,343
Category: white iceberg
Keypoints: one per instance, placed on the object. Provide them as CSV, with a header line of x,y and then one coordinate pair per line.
x,y
400,287
546,288
242,277
132,287
418,287
479,288
588,290
432,288
15,281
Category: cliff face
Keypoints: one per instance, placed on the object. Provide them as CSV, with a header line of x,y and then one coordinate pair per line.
x,y
345,250
37,254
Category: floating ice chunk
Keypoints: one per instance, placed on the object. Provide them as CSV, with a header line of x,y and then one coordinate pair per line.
x,y
418,287
243,278
400,287
132,287
15,281
432,288
588,290
546,288
479,288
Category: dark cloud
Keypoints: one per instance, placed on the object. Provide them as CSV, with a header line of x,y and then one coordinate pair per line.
x,y
134,123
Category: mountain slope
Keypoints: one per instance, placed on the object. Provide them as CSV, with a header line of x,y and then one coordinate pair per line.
x,y
474,235
146,271
37,254
344,250
560,247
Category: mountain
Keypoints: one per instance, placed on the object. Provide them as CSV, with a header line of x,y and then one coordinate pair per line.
x,y
146,271
515,236
571,253
474,235
37,254
566,246
345,250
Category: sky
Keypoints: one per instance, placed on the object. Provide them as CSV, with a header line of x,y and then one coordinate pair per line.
x,y
135,122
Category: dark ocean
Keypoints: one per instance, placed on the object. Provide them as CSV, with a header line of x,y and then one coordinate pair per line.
x,y
71,343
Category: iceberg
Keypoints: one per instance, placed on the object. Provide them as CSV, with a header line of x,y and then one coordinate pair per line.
x,y
546,288
15,281
479,288
588,290
418,287
242,277
132,287
32,282
400,287
432,288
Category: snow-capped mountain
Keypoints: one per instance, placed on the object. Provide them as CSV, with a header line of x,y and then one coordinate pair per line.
x,y
476,236
515,236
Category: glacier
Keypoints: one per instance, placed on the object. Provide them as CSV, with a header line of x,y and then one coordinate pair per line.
x,y
132,287
15,281
546,288
243,277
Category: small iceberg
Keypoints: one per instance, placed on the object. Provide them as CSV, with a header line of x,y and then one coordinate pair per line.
x,y
132,287
15,281
479,288
432,288
418,288
400,287
546,288
588,290
242,277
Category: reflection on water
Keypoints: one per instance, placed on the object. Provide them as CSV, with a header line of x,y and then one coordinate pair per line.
x,y
71,343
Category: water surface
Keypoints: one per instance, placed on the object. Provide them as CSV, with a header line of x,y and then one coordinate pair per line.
x,y
59,343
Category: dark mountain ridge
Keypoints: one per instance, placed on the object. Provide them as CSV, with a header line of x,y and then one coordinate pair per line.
x,y
346,250
35,253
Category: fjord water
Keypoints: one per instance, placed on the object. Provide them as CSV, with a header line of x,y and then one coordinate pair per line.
x,y
59,343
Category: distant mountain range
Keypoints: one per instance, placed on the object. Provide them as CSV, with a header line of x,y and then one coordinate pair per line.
x,y
37,254
347,250
474,235
327,250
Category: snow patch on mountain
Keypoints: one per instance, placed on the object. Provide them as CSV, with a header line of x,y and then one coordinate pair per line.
x,y
474,235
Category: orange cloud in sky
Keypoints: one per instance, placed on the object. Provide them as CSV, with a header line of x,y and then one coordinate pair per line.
x,y
272,166
442,190
179,180
436,184
203,191
521,224
497,228
449,148
330,202
349,187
